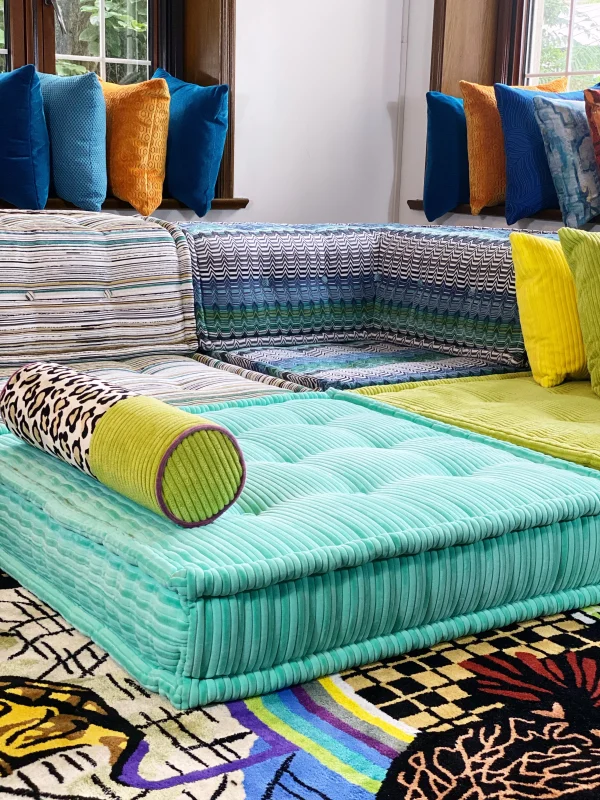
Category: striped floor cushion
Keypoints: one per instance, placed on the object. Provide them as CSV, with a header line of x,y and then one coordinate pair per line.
x,y
179,380
76,285
363,532
351,366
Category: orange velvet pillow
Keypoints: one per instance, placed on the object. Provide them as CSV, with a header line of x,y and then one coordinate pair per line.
x,y
137,129
487,160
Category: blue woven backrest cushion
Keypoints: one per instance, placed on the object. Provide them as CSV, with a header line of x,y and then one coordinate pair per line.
x,y
447,165
451,290
529,184
260,284
76,117
198,124
24,146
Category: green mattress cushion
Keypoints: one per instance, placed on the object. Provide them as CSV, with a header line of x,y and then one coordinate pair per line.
x,y
563,421
363,531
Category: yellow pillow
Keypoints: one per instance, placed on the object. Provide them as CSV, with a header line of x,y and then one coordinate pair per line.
x,y
137,129
487,160
548,310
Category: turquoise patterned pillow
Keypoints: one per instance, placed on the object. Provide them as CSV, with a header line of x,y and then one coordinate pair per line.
x,y
568,142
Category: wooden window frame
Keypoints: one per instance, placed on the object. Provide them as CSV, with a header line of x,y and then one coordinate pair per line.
x,y
197,44
511,42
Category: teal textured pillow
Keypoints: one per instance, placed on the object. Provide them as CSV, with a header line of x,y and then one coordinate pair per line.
x,y
76,117
197,130
568,142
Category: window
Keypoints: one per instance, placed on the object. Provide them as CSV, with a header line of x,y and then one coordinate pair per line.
x,y
109,37
123,41
564,39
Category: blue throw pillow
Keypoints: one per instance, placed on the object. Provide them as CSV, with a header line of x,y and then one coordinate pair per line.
x,y
571,158
197,130
529,184
76,117
447,167
24,148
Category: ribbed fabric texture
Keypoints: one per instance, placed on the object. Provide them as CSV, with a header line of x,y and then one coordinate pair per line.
x,y
139,439
582,250
487,167
363,532
548,310
563,422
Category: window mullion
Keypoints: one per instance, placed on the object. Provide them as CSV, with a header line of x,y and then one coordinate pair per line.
x,y
570,35
102,36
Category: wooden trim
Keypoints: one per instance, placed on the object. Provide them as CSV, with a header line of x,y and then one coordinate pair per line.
x,y
45,36
437,46
511,43
209,59
165,35
548,215
17,39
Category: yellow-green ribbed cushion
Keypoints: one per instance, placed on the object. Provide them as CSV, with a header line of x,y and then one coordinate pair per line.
x,y
170,461
563,421
582,250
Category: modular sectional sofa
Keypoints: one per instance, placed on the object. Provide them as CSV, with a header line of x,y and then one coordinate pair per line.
x,y
363,530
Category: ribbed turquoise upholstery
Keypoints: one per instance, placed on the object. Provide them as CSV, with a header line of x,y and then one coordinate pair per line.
x,y
362,532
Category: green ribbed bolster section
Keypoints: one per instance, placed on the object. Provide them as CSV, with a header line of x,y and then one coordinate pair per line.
x,y
174,463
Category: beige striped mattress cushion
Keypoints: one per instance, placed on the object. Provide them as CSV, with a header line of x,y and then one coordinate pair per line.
x,y
77,285
177,380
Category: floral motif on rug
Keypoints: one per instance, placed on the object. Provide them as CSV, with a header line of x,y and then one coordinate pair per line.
x,y
508,714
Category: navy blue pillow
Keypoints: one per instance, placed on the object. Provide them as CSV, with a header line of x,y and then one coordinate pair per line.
x,y
529,183
24,146
447,166
197,129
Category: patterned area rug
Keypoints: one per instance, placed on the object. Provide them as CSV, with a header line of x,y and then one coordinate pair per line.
x,y
508,715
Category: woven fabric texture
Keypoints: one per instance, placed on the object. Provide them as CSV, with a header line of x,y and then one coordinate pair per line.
x,y
435,535
75,113
137,131
548,310
563,421
350,366
181,381
437,289
78,285
582,250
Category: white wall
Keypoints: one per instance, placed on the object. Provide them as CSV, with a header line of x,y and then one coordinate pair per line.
x,y
317,89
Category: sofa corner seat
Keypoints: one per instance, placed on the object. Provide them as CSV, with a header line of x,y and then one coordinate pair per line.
x,y
345,306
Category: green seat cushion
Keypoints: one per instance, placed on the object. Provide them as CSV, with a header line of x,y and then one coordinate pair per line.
x,y
563,421
362,532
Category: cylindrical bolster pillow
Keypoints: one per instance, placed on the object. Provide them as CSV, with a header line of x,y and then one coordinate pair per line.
x,y
172,462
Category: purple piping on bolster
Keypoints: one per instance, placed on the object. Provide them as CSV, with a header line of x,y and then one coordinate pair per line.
x,y
163,465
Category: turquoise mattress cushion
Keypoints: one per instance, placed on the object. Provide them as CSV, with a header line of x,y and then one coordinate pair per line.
x,y
362,532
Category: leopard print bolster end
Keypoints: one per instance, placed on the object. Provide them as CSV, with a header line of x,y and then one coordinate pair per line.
x,y
175,463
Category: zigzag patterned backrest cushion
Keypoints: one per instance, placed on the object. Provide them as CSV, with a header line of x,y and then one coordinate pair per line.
x,y
283,284
452,289
84,285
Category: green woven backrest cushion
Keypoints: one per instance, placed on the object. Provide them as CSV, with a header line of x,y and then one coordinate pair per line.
x,y
177,464
582,250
